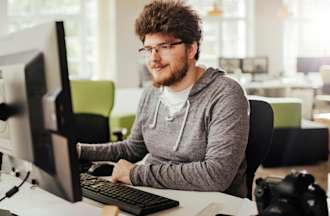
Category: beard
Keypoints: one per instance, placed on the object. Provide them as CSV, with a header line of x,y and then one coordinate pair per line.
x,y
175,76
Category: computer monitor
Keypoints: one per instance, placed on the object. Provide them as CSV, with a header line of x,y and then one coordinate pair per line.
x,y
311,64
36,99
255,65
231,65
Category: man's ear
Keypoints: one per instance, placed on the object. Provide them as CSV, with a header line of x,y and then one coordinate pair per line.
x,y
192,50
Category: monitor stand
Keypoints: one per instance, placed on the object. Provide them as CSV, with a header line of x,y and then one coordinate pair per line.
x,y
253,78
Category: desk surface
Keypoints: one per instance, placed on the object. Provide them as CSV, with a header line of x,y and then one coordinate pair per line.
x,y
36,201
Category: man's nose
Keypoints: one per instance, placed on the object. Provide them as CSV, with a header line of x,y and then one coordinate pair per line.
x,y
154,55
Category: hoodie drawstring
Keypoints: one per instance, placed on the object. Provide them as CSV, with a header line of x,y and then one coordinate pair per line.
x,y
153,125
175,148
155,115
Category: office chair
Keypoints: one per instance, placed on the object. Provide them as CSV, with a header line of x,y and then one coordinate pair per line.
x,y
260,138
92,104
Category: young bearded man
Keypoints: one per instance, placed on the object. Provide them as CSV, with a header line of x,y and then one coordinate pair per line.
x,y
193,122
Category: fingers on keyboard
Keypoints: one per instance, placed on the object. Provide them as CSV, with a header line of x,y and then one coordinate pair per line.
x,y
110,210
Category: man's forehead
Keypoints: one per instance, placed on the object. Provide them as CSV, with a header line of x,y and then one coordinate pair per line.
x,y
157,38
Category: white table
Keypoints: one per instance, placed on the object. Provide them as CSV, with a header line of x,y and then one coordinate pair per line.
x,y
282,87
35,201
275,84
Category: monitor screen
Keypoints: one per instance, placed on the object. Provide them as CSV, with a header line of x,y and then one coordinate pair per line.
x,y
255,65
311,64
37,120
231,65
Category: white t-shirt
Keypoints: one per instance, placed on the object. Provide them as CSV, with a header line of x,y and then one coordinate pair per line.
x,y
175,100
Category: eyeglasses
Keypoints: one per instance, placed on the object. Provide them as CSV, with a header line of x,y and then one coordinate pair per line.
x,y
162,49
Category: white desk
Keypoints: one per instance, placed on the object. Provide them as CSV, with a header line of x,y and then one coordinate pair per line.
x,y
281,84
38,202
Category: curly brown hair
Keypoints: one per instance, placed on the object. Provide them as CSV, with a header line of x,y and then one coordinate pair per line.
x,y
171,17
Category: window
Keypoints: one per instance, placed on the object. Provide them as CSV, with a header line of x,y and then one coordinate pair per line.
x,y
79,18
306,30
226,35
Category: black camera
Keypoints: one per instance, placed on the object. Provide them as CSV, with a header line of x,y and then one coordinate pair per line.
x,y
295,195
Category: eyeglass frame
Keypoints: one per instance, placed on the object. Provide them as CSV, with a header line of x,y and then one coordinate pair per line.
x,y
147,51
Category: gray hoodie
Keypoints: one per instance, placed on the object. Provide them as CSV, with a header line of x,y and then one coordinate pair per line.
x,y
202,148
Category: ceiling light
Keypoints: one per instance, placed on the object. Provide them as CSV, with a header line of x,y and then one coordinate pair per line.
x,y
215,11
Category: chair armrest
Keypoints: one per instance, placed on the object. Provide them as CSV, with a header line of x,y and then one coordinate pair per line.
x,y
119,134
121,122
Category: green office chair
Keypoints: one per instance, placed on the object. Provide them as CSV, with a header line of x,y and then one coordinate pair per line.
x,y
92,104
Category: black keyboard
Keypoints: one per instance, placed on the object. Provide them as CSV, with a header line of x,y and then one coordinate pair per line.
x,y
128,199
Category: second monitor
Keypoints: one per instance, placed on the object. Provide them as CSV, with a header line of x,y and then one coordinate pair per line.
x,y
249,65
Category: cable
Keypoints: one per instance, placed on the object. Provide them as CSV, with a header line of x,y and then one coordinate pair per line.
x,y
1,156
15,189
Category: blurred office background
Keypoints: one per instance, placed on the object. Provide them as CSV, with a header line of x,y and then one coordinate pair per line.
x,y
102,44
274,48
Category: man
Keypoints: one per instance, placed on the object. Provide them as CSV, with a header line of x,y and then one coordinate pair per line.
x,y
193,122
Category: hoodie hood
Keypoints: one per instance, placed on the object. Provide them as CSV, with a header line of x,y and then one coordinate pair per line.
x,y
206,79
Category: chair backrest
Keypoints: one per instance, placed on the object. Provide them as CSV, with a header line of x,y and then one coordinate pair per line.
x,y
92,104
93,96
260,138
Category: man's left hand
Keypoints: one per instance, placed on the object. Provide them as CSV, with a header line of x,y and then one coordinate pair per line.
x,y
121,171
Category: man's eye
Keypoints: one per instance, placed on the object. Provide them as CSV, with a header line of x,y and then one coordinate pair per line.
x,y
165,46
148,49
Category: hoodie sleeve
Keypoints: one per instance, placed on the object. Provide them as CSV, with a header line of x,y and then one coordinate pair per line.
x,y
228,126
133,149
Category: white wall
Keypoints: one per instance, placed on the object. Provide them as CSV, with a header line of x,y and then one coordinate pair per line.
x,y
127,43
3,17
105,26
269,27
118,45
126,100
